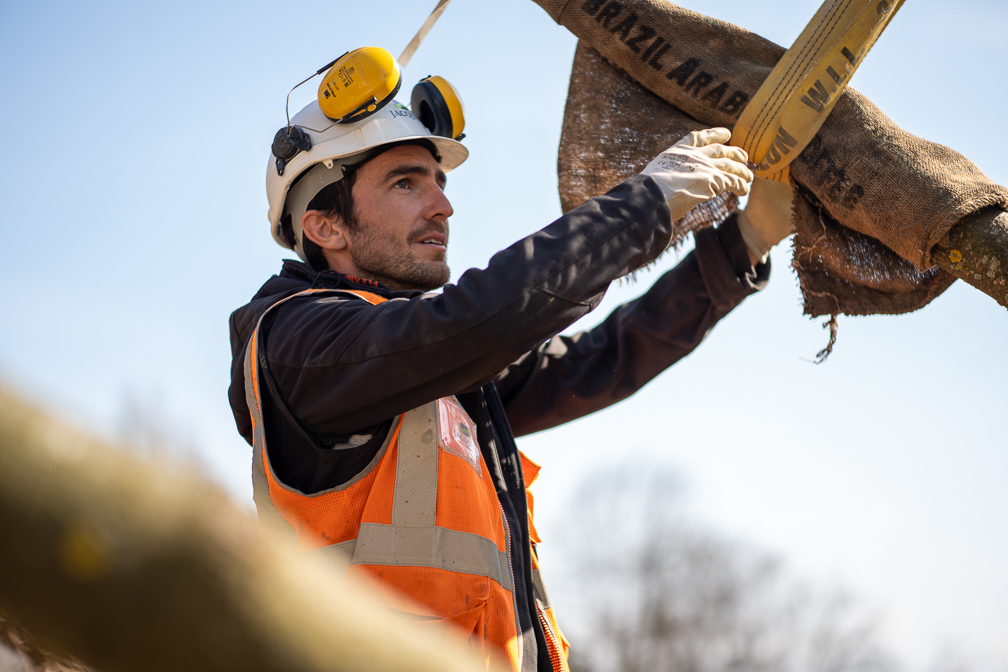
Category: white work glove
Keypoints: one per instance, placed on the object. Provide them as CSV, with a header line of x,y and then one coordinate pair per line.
x,y
698,168
766,219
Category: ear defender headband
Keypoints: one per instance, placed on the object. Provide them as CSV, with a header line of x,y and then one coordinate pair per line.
x,y
439,107
358,84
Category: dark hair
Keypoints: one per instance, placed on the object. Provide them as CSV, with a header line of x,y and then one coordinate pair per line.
x,y
336,200
333,200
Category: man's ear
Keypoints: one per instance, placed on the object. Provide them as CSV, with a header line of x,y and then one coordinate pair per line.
x,y
323,231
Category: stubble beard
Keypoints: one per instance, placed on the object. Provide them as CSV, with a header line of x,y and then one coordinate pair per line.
x,y
376,259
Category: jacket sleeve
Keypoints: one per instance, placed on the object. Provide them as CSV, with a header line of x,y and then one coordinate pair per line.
x,y
571,376
345,365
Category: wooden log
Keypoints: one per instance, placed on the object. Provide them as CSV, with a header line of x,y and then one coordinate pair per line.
x,y
131,565
977,252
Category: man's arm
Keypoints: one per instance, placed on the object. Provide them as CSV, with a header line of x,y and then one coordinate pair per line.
x,y
571,376
347,365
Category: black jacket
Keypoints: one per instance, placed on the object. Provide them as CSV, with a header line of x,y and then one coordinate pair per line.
x,y
340,368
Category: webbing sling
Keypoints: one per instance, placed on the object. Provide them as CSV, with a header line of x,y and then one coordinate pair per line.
x,y
407,54
795,99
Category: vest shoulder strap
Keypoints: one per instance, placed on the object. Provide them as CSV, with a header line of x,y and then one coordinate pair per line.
x,y
252,368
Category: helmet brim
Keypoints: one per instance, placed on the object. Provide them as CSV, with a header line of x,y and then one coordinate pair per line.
x,y
332,142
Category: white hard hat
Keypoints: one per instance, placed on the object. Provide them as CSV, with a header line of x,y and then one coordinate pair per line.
x,y
334,145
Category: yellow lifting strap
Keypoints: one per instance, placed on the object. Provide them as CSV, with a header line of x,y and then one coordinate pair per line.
x,y
407,54
800,92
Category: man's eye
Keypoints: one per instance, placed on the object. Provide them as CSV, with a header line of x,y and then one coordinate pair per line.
x,y
402,184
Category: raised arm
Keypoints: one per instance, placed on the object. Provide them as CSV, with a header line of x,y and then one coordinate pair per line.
x,y
571,376
346,365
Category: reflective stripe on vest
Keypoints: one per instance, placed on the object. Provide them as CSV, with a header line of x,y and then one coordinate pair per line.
x,y
422,518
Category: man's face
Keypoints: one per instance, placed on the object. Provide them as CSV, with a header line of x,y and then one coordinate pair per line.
x,y
401,238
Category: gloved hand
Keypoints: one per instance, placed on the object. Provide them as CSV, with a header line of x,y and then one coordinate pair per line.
x,y
766,219
698,168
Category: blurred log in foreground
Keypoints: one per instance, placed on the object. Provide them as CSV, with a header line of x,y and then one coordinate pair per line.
x,y
19,652
129,565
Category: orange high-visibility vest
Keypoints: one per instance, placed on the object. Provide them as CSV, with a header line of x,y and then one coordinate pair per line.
x,y
422,518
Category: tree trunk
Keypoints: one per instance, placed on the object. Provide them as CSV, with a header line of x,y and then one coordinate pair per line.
x,y
978,252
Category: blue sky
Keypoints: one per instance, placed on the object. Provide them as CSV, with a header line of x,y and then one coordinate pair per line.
x,y
135,221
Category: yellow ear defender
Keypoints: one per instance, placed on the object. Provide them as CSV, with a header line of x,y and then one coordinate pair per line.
x,y
438,106
358,84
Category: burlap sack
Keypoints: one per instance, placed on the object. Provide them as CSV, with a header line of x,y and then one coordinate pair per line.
x,y
861,181
601,145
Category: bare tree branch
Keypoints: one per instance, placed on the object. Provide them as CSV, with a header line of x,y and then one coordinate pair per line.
x,y
660,594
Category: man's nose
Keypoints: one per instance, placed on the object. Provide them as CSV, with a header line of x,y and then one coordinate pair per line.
x,y
440,208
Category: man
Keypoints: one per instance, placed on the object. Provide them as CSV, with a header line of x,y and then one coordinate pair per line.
x,y
383,419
